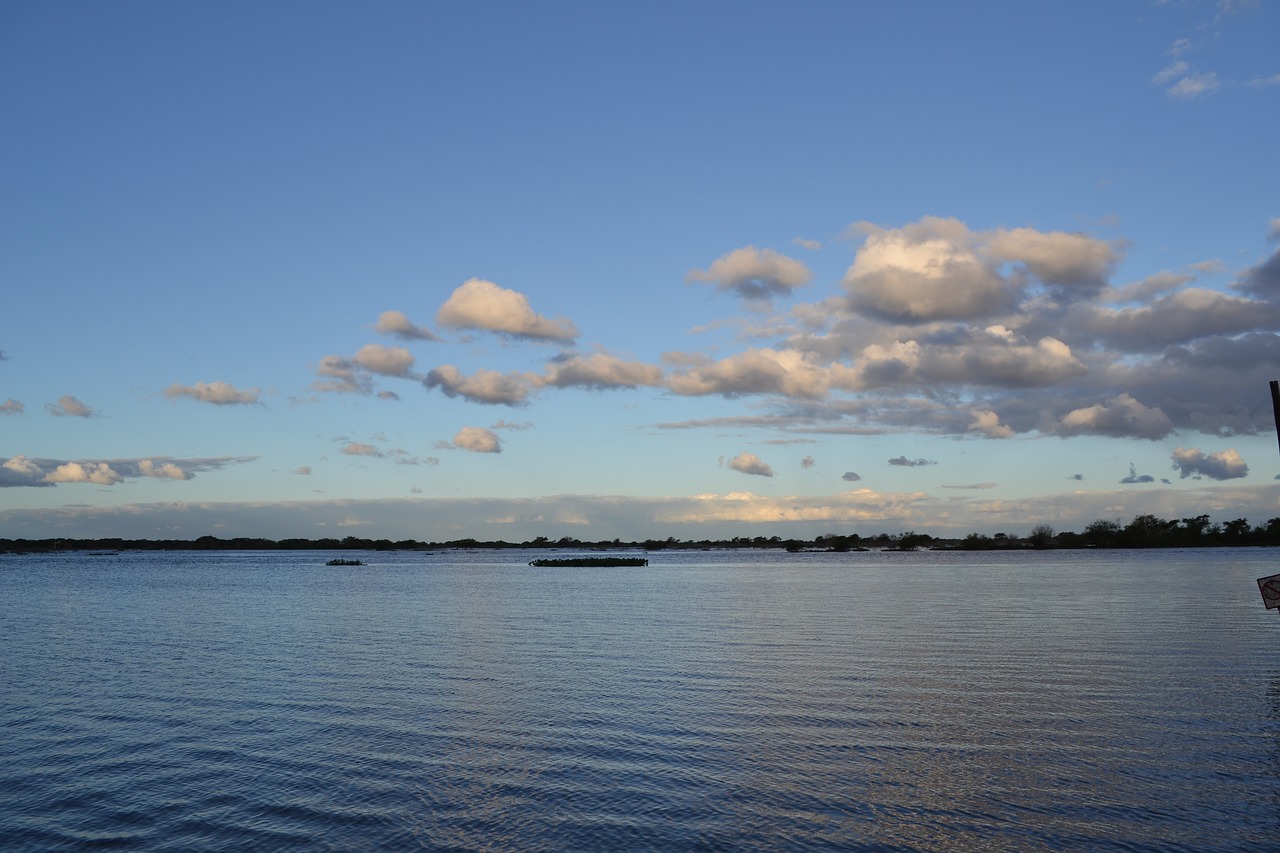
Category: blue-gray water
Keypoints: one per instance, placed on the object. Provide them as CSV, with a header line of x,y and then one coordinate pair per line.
x,y
710,701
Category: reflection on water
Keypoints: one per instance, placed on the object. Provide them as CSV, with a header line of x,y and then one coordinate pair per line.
x,y
711,700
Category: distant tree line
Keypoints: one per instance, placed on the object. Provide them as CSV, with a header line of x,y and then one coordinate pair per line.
x,y
1144,531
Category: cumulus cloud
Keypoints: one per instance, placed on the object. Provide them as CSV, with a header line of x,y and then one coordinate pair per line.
x,y
988,423
11,407
483,386
1185,315
1223,465
162,470
69,407
75,472
850,477
904,462
749,463
764,371
600,371
480,304
754,273
397,325
218,393
1122,417
477,440
992,356
925,271
1059,258
387,361
22,470
937,269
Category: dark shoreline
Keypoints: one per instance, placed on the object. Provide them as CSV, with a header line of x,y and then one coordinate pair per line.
x,y
1145,531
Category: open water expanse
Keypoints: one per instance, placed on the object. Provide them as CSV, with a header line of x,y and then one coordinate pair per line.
x,y
1116,700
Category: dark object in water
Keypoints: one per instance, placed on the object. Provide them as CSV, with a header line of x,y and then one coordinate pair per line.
x,y
341,562
592,561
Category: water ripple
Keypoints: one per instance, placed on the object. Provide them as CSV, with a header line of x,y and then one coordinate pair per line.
x,y
711,701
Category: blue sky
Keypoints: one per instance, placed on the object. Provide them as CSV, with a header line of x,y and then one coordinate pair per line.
x,y
502,270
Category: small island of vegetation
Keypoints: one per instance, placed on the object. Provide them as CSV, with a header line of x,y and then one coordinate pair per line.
x,y
591,561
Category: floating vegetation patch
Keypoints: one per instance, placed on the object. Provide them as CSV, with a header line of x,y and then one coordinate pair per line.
x,y
592,561
341,562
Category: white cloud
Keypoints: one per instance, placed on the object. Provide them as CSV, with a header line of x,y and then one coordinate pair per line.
x,y
22,465
764,371
69,407
1223,465
218,393
162,471
11,407
388,361
396,324
1055,257
804,243
1264,82
484,386
480,304
937,269
21,470
1194,85
988,423
1122,416
477,440
925,271
1170,72
754,273
600,370
749,463
74,472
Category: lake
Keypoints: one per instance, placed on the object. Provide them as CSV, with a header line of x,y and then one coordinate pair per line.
x,y
713,700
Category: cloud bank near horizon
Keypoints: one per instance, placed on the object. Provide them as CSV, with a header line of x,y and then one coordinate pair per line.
x,y
710,515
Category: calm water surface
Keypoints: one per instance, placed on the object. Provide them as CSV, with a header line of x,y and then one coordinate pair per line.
x,y
710,701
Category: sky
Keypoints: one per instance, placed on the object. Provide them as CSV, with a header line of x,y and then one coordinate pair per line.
x,y
489,270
